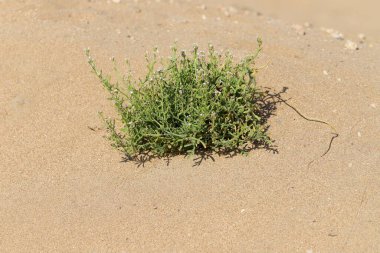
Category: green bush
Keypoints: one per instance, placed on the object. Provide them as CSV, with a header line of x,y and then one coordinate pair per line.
x,y
196,102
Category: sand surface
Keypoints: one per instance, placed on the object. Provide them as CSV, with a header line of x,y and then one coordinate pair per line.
x,y
64,189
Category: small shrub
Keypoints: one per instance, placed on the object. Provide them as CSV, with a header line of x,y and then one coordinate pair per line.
x,y
196,102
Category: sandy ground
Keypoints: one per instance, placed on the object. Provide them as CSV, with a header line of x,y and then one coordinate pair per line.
x,y
64,189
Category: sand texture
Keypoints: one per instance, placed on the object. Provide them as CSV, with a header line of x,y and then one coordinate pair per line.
x,y
63,188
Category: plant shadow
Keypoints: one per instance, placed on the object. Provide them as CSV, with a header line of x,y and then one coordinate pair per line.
x,y
268,105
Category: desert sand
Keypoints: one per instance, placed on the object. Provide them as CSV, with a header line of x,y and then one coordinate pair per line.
x,y
63,188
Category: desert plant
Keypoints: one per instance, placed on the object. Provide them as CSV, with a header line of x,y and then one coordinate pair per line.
x,y
196,101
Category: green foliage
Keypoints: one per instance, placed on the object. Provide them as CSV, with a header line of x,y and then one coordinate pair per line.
x,y
196,102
